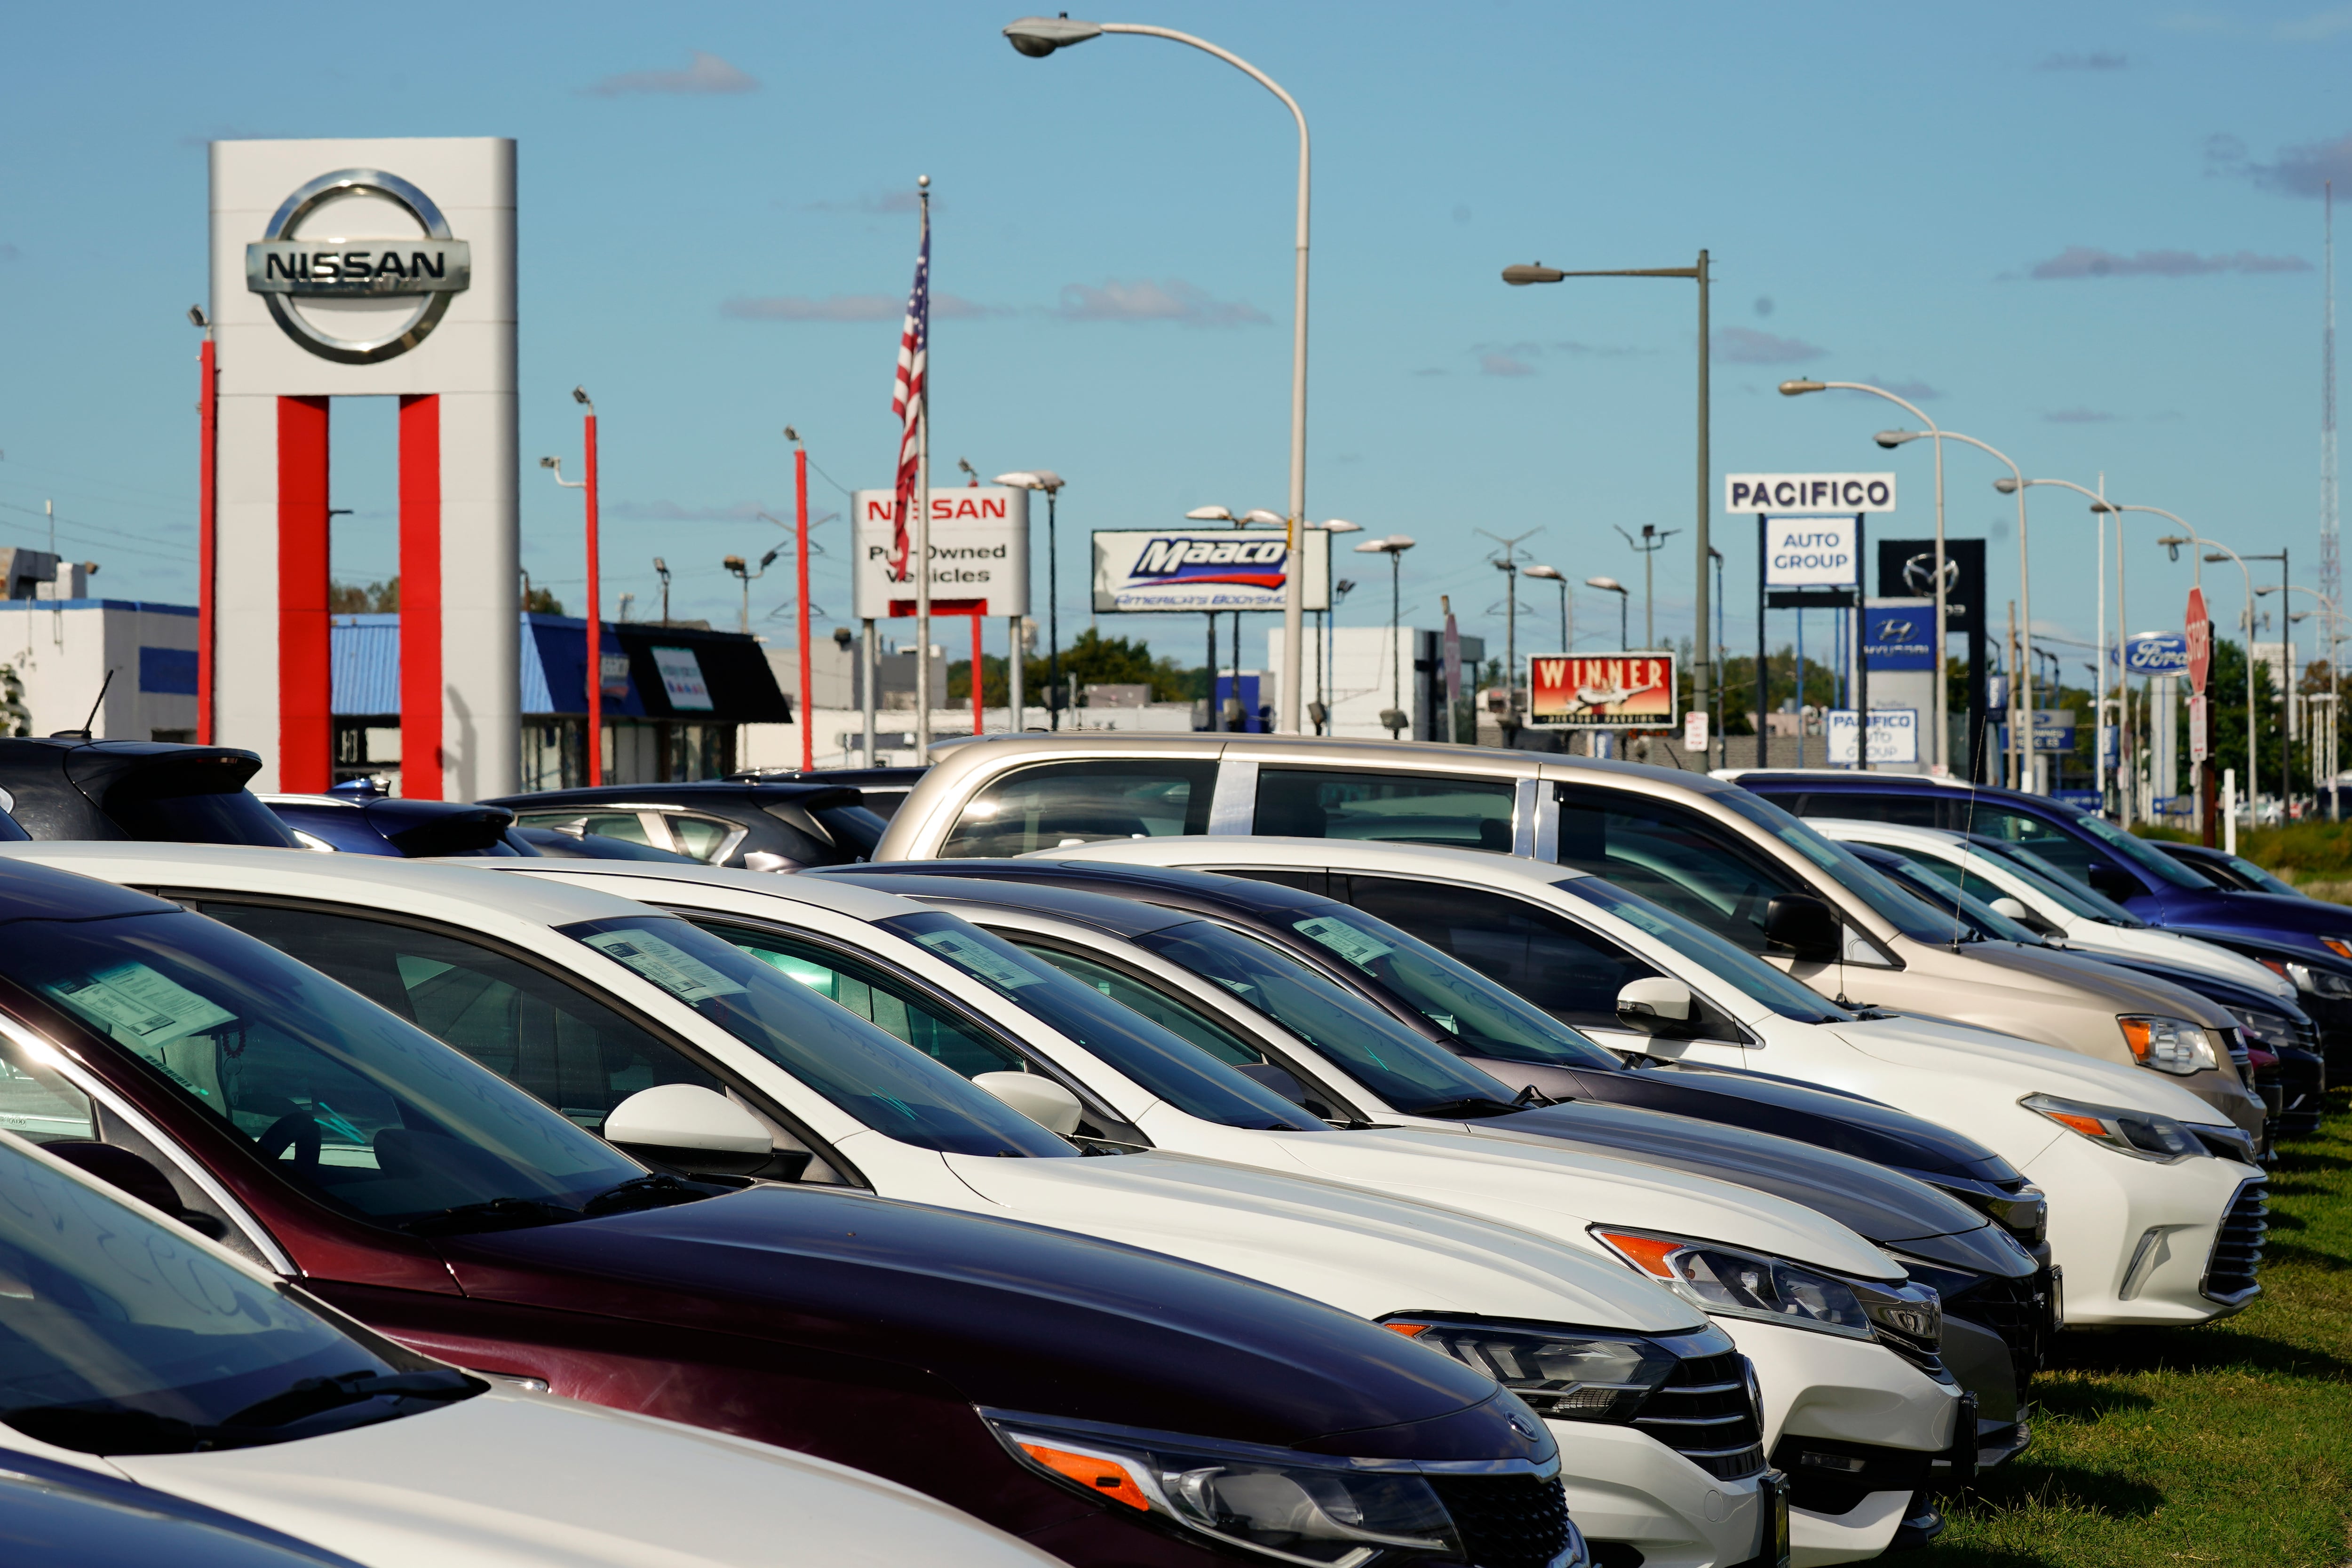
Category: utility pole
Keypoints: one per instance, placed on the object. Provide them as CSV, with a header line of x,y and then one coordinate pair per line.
x,y
1652,541
1509,566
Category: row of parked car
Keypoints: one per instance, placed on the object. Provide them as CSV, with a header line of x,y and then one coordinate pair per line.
x,y
1129,1150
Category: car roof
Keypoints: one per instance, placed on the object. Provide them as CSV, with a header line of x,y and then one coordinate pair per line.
x,y
809,796
1846,781
1889,832
1360,854
800,887
438,889
1106,913
1416,755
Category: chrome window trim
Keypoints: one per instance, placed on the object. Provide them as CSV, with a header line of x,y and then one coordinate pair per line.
x,y
1524,805
81,1079
1547,845
1232,807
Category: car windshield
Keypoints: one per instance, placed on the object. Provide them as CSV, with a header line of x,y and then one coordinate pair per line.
x,y
122,1337
2261,879
1924,881
855,829
1487,1018
1401,1067
1918,921
2136,850
865,1071
1734,965
340,1096
2054,884
1156,1060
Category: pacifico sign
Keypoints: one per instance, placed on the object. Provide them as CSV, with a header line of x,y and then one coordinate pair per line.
x,y
429,268
1818,495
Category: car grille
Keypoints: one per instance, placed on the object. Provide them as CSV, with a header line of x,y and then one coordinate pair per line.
x,y
1705,1413
2238,1245
1507,1522
2016,1309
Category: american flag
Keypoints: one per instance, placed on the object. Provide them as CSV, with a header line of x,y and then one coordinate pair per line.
x,y
906,399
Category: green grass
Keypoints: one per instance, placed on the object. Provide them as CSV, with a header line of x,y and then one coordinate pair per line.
x,y
2230,1443
2299,851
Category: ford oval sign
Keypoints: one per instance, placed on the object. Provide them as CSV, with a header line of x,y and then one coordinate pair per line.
x,y
2157,654
429,268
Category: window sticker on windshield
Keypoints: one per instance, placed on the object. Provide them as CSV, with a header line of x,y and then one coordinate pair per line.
x,y
978,958
1355,947
142,1006
666,964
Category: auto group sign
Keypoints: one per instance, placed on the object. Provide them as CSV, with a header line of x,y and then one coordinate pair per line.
x,y
1601,691
1211,570
980,553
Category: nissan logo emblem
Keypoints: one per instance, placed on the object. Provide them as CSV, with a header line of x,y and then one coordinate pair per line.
x,y
430,269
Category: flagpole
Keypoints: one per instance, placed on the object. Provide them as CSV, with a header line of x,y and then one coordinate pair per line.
x,y
922,553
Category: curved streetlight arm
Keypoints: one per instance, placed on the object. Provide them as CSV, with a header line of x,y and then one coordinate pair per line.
x,y
2022,675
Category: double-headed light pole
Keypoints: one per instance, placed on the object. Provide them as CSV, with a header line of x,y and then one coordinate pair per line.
x,y
1702,668
593,672
1037,36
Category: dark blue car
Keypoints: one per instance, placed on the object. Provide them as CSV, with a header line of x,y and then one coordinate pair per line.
x,y
2304,938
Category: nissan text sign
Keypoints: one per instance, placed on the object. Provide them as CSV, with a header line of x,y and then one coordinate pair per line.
x,y
980,553
1206,569
1822,495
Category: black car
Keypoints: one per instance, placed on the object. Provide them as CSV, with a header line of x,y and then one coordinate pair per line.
x,y
2225,870
357,817
325,1137
1845,1157
753,826
63,787
884,788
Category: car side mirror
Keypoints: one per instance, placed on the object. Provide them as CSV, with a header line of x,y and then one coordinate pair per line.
x,y
1654,1005
1803,926
2013,908
2119,885
689,1128
1037,1097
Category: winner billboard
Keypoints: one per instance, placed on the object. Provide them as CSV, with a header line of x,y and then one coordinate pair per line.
x,y
1601,691
1205,570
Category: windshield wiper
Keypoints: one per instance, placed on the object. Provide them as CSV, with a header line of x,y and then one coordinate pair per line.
x,y
497,1213
308,1395
659,1190
123,1429
1470,1108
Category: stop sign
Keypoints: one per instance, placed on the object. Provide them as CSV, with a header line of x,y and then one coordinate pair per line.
x,y
2200,641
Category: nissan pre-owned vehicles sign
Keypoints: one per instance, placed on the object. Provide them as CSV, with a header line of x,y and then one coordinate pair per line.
x,y
980,553
1206,569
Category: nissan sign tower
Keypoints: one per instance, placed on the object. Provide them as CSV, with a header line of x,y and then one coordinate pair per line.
x,y
381,268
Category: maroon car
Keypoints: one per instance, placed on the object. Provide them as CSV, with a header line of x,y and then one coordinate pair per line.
x,y
1111,1405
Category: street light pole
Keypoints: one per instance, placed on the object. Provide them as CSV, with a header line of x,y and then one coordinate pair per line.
x,y
1553,574
1624,594
1037,36
800,589
2189,535
1942,708
594,671
1393,547
1703,667
1647,547
1051,483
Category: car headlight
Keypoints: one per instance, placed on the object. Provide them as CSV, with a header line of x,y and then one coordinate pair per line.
x,y
2337,946
2142,1134
2272,1031
1566,1374
2168,1045
2319,982
1729,1282
1294,1507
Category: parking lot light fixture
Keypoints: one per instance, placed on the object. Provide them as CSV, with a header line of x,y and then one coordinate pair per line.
x,y
1553,574
1037,36
1393,547
1624,597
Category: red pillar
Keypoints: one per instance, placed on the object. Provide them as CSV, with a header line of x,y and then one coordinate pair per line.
x,y
207,540
420,597
978,696
595,649
800,566
306,725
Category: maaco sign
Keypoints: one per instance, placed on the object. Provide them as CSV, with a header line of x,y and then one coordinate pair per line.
x,y
1205,570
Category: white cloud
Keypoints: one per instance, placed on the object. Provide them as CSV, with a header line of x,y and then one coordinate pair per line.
x,y
707,74
1747,346
1186,304
2087,261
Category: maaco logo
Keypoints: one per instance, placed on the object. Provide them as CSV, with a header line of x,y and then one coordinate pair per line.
x,y
1190,558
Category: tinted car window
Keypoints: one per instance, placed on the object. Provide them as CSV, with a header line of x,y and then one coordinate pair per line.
x,y
1178,1018
341,1095
1673,857
701,837
1328,803
1160,1063
627,826
1735,965
872,994
122,1337
564,1047
1056,804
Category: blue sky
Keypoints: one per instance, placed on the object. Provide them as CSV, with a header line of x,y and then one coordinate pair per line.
x,y
2090,233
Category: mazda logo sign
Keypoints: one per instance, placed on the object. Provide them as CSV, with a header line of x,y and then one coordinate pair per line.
x,y
429,269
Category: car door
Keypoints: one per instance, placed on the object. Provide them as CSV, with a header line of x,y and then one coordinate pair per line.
x,y
1570,972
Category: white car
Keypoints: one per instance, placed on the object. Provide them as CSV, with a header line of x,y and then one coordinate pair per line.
x,y
1138,1085
2053,904
2156,1212
590,1000
141,1352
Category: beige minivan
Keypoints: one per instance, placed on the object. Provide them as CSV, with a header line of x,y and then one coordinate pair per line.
x,y
1710,850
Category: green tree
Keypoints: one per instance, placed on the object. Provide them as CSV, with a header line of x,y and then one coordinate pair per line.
x,y
1091,659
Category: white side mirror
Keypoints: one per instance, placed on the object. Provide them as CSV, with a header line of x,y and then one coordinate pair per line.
x,y
690,1128
2013,908
1655,998
1040,1099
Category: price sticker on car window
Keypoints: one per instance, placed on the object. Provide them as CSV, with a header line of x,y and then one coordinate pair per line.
x,y
979,958
1358,946
142,1006
666,964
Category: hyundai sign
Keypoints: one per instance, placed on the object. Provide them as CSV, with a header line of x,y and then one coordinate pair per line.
x,y
1818,494
1206,569
1810,552
1899,636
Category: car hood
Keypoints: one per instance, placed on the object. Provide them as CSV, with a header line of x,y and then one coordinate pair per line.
x,y
1532,1181
1878,1205
1355,1250
1008,1314
2300,922
2124,990
2179,950
510,1480
2026,1067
